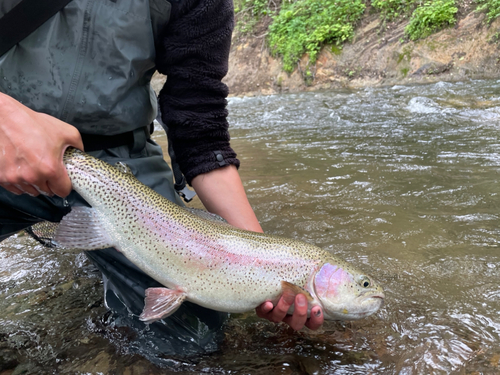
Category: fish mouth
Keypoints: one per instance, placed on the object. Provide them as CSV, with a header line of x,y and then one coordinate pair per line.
x,y
377,295
367,305
378,299
372,303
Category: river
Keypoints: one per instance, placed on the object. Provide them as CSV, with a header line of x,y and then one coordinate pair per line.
x,y
401,181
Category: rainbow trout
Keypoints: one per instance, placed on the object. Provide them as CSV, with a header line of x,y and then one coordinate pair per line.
x,y
199,258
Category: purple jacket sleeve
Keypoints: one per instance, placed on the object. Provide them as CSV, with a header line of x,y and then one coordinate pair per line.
x,y
194,56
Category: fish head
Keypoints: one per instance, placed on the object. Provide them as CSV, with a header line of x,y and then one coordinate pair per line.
x,y
346,293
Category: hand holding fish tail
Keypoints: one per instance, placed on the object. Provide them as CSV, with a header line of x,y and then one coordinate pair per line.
x,y
31,150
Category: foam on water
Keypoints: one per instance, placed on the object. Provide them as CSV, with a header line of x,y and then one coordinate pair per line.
x,y
401,181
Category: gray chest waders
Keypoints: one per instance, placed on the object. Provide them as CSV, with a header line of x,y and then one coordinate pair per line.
x,y
192,330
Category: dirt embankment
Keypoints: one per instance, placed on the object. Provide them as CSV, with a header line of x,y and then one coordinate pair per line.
x,y
376,56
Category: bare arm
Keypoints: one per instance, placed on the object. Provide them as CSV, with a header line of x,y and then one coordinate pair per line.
x,y
222,193
193,105
31,149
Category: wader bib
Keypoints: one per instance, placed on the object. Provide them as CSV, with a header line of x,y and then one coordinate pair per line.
x,y
90,65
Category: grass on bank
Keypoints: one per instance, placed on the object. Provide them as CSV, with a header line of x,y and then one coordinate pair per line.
x,y
303,27
491,7
394,9
430,17
426,17
300,27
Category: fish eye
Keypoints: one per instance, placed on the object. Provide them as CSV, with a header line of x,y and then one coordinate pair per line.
x,y
364,281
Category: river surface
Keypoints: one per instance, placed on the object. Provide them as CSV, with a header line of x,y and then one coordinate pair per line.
x,y
402,181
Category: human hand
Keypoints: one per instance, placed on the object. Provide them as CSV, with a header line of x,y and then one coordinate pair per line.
x,y
299,318
32,145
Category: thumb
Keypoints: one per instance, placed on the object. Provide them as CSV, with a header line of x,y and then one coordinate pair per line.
x,y
61,184
72,138
76,143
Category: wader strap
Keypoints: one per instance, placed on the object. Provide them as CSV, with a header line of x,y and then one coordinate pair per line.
x,y
140,137
25,18
136,139
179,179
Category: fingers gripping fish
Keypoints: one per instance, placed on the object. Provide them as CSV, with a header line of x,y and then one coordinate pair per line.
x,y
199,258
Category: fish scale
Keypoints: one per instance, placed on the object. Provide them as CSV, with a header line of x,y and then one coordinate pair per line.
x,y
205,261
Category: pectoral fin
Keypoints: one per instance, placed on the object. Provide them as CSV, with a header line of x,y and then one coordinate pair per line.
x,y
81,229
160,303
292,290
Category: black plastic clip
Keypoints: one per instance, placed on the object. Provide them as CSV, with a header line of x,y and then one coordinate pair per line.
x,y
220,158
183,191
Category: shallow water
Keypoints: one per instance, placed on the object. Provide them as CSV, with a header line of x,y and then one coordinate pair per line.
x,y
400,181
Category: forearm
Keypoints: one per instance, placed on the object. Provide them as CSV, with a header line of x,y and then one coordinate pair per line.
x,y
222,193
193,100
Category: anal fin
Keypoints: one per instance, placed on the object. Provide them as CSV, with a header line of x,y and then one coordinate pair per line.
x,y
160,303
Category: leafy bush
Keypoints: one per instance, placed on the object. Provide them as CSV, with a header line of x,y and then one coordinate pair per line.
x,y
249,12
492,8
431,17
303,26
392,9
255,7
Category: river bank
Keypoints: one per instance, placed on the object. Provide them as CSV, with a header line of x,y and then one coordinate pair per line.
x,y
378,55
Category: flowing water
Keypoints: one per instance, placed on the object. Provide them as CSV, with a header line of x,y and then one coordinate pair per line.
x,y
401,181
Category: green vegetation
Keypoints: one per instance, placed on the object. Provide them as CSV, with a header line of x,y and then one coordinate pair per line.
x,y
305,25
404,55
393,9
301,27
255,7
491,7
495,38
252,11
426,16
336,50
432,16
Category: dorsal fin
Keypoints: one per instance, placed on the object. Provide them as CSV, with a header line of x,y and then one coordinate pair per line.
x,y
207,215
123,167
